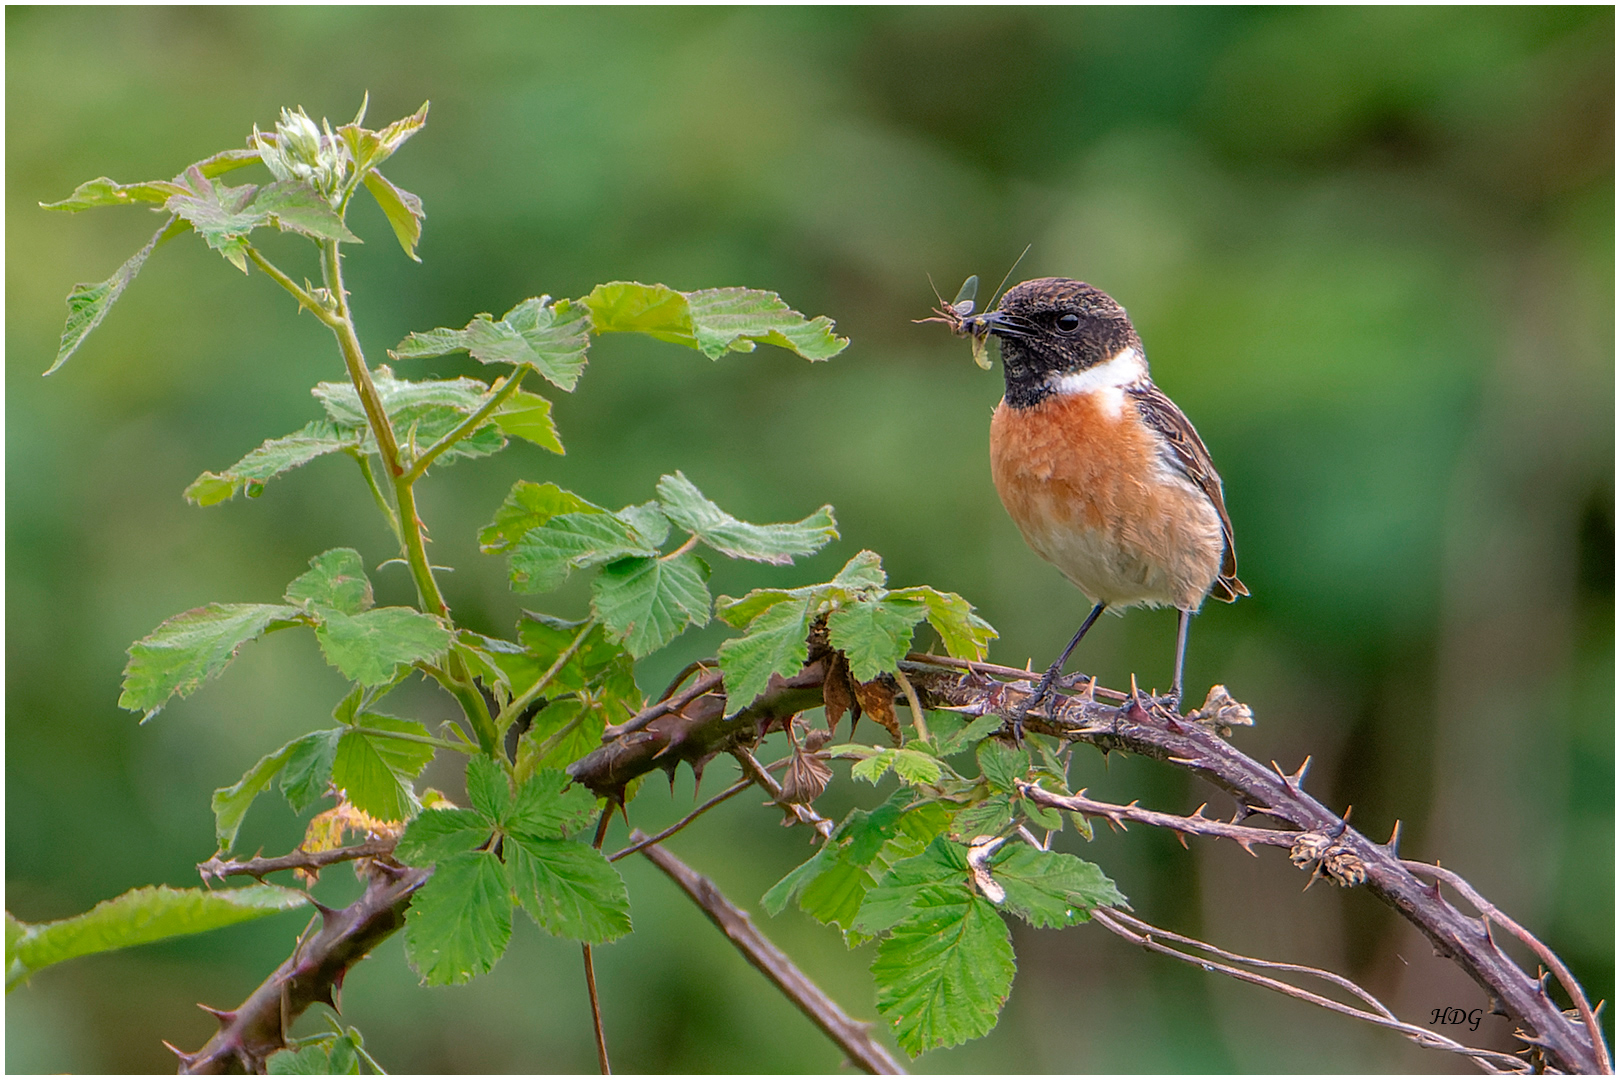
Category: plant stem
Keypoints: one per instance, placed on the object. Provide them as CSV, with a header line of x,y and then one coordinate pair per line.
x,y
590,968
363,459
467,426
515,707
305,300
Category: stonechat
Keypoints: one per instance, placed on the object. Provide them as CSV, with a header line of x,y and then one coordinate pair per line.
x,y
1102,473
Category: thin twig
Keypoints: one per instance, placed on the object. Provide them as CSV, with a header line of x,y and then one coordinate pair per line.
x,y
755,771
735,789
258,867
1064,682
1491,913
917,719
661,708
1147,936
515,707
1242,835
852,1036
496,399
590,968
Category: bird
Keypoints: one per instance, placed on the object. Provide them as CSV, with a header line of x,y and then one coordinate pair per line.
x,y
1104,476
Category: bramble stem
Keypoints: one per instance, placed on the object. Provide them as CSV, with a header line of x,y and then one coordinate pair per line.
x,y
364,461
467,426
515,707
305,300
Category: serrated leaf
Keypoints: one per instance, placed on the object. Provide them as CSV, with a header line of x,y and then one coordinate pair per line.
x,y
970,734
941,863
88,304
308,771
568,888
915,767
375,772
1002,766
550,337
403,210
368,149
734,319
488,789
779,895
986,818
545,638
773,645
1050,888
295,206
138,917
964,634
528,416
630,307
221,215
645,602
367,647
230,804
544,557
874,634
688,508
312,1060
460,922
549,807
193,646
740,613
103,191
862,573
528,506
272,458
336,579
944,973
439,833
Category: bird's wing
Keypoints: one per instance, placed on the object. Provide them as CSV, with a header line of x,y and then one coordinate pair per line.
x,y
1188,454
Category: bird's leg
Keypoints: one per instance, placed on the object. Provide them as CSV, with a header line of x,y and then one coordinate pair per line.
x,y
1181,655
1052,673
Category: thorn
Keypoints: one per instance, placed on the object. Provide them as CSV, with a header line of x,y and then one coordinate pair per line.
x,y
1198,813
327,997
1541,982
1183,760
224,1016
1242,814
1299,774
1248,845
184,1057
1394,839
1183,838
327,914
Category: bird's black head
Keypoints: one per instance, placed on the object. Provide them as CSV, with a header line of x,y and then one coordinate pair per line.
x,y
1051,327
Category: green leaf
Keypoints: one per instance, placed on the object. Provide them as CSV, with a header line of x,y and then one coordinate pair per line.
x,y
421,412
105,192
230,804
221,215
543,557
308,771
562,732
687,507
88,304
528,416
138,917
376,771
874,634
944,973
964,634
779,895
941,863
403,210
548,807
734,319
545,638
773,645
272,458
528,506
367,647
488,789
985,818
312,1060
916,767
550,337
862,573
740,613
713,321
645,602
191,647
568,888
1002,766
438,833
370,149
911,766
1050,888
970,734
295,206
459,923
336,579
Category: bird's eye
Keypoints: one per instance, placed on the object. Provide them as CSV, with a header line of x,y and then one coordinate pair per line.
x,y
1068,322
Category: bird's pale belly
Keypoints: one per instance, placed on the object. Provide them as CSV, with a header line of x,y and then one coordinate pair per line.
x,y
1070,473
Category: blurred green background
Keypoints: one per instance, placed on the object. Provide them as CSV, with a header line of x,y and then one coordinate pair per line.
x,y
1371,254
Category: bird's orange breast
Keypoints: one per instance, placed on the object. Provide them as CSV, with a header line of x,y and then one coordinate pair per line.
x,y
1086,483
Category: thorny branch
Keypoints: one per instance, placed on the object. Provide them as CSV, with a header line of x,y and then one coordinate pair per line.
x,y
1112,720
